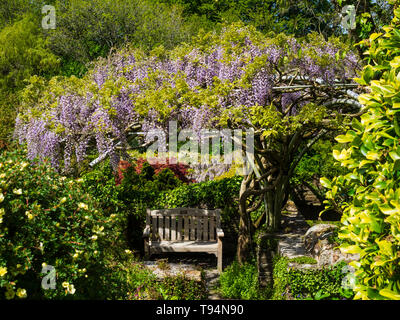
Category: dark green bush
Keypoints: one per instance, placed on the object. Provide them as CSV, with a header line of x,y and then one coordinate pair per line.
x,y
145,286
87,29
214,194
241,282
303,260
325,283
23,53
316,163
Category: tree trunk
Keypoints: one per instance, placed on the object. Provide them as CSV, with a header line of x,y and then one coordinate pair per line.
x,y
274,201
245,240
245,245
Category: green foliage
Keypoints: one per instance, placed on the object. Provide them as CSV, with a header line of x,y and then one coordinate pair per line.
x,y
213,194
7,115
314,222
87,29
241,282
317,162
48,219
371,155
291,17
10,10
23,53
145,286
303,260
290,283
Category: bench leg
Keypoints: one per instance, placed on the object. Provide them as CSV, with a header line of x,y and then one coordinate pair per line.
x,y
146,250
219,256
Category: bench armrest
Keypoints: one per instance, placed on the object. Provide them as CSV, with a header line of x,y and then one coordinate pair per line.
x,y
220,233
146,232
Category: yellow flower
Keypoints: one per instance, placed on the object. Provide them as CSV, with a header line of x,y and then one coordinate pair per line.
x,y
2,176
71,289
21,293
29,215
3,271
1,197
24,165
128,251
83,206
94,237
17,191
63,200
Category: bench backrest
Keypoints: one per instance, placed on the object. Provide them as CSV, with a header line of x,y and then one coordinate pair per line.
x,y
183,224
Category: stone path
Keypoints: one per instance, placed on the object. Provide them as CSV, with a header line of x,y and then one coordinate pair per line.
x,y
290,242
212,283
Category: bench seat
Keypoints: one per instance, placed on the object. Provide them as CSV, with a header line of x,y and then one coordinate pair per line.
x,y
184,246
184,230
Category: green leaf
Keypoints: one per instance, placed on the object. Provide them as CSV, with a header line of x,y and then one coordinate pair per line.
x,y
396,126
374,294
388,210
390,294
325,183
381,185
372,155
394,155
344,138
351,249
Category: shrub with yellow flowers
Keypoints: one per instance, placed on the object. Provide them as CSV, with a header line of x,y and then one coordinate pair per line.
x,y
48,220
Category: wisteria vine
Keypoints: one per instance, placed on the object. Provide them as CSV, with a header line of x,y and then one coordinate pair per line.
x,y
215,81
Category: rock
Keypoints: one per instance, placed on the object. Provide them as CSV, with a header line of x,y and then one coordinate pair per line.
x,y
326,253
302,267
174,270
291,246
315,234
330,256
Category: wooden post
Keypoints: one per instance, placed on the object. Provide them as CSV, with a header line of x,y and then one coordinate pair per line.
x,y
219,255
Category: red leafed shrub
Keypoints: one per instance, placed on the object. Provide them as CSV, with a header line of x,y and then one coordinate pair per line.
x,y
122,166
180,170
3,145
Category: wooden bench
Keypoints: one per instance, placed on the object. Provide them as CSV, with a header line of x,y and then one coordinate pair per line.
x,y
184,230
